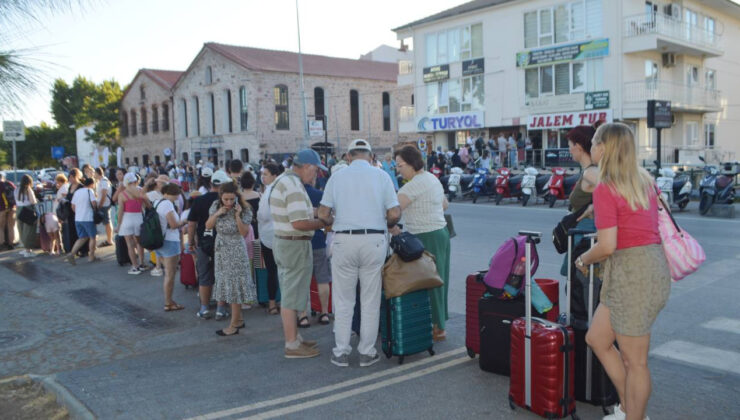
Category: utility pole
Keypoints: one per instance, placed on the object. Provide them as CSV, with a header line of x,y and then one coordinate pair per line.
x,y
304,144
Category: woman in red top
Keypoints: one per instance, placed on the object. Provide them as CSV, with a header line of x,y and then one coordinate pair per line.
x,y
636,277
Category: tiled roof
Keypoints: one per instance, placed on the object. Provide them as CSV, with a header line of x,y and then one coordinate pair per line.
x,y
165,78
457,10
317,65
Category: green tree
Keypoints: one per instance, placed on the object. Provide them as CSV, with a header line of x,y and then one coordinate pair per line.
x,y
35,152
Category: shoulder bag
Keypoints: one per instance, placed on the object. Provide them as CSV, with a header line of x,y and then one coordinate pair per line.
x,y
560,233
28,215
682,251
98,214
400,277
407,246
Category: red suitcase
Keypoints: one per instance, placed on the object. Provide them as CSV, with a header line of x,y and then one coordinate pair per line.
x,y
474,290
187,271
315,302
542,360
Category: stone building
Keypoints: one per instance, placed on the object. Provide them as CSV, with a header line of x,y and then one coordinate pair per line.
x,y
146,117
240,102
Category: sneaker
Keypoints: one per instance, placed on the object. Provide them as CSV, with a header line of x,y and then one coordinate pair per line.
x,y
70,259
222,315
366,360
619,414
341,361
302,352
142,268
204,314
30,255
23,253
157,272
310,343
134,271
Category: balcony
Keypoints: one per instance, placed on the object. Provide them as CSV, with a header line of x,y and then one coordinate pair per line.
x,y
664,33
685,98
407,119
405,72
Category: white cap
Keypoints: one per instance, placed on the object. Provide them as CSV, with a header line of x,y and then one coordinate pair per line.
x,y
206,172
359,144
220,177
129,178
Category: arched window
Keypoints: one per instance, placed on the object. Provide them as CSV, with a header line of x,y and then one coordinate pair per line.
x,y
155,119
165,117
243,115
386,111
282,119
144,127
244,155
197,116
134,127
209,75
318,103
142,92
184,119
354,110
185,156
228,156
227,114
212,112
124,124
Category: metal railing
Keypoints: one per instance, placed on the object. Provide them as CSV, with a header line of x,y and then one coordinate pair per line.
x,y
680,95
673,27
406,113
405,67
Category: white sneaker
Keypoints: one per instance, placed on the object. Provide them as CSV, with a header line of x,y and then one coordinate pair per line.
x,y
134,271
618,413
30,255
23,253
157,272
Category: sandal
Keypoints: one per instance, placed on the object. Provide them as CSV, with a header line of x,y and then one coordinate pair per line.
x,y
273,310
302,324
324,319
174,306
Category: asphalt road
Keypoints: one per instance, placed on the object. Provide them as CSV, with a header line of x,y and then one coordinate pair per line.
x,y
102,336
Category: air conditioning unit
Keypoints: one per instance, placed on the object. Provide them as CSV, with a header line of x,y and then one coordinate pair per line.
x,y
669,59
673,10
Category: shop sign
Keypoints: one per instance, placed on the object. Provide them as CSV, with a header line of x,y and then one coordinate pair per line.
x,y
659,114
475,66
555,103
578,51
451,122
436,73
596,100
567,119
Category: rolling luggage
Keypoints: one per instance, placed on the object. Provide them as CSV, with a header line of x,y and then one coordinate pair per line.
x,y
315,301
542,359
263,296
121,250
187,271
474,290
406,325
592,384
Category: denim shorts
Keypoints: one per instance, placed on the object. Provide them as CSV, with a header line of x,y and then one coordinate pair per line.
x,y
169,249
86,229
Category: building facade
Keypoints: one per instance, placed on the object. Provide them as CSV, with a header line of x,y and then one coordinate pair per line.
x,y
146,113
536,68
240,102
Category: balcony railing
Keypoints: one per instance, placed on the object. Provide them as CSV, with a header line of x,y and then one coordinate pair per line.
x,y
681,96
406,113
405,67
673,27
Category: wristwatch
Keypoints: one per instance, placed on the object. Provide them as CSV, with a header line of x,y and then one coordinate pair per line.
x,y
579,262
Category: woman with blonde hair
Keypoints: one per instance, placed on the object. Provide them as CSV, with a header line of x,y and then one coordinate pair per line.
x,y
636,279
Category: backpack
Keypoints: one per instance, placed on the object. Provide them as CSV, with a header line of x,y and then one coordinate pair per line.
x,y
503,262
151,230
7,196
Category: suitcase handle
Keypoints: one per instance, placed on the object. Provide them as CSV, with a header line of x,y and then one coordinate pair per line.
x,y
576,231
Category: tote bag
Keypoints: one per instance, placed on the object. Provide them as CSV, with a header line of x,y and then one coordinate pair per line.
x,y
683,252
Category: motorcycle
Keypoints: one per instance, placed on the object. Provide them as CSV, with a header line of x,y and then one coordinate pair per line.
x,y
478,184
558,186
716,187
529,181
507,186
453,183
675,191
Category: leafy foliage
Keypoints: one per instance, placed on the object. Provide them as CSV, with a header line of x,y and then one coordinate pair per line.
x,y
35,152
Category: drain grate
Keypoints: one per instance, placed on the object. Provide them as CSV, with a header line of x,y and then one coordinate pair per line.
x,y
116,308
35,272
13,340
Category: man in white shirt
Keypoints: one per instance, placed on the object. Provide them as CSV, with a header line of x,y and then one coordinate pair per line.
x,y
360,219
83,204
104,192
512,151
502,146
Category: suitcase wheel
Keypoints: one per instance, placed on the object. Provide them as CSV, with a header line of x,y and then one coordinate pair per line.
x,y
471,353
388,354
400,360
431,351
574,416
511,403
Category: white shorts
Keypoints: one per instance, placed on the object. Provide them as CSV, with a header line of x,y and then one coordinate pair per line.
x,y
131,224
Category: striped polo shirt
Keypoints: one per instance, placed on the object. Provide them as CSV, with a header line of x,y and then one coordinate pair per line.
x,y
289,203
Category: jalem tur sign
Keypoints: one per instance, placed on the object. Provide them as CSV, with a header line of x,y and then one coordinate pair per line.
x,y
567,119
451,122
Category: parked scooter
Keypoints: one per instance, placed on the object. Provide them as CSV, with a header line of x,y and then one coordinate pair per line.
x,y
479,183
558,186
529,181
716,187
453,183
675,191
507,186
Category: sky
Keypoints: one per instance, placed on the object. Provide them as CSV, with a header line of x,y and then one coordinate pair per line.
x,y
112,39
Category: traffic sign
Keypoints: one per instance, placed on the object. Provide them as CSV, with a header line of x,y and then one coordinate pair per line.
x,y
316,128
14,131
57,152
422,143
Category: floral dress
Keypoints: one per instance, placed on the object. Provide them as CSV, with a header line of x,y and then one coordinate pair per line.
x,y
234,283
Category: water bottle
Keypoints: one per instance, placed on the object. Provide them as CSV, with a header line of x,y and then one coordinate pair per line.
x,y
517,274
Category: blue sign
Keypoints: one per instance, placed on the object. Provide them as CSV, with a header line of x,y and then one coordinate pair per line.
x,y
57,152
451,122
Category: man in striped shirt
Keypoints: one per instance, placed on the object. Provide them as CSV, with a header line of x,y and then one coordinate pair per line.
x,y
294,223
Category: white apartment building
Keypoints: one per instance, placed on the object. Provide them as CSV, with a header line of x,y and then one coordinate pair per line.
x,y
539,67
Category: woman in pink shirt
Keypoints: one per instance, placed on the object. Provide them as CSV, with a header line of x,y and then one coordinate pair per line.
x,y
637,281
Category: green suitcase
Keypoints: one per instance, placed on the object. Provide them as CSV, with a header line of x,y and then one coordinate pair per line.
x,y
406,325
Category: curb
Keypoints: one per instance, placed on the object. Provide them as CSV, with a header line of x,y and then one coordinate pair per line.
x,y
77,410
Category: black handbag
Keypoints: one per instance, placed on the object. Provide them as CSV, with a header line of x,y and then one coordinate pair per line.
x,y
98,214
407,246
64,211
208,242
28,215
560,233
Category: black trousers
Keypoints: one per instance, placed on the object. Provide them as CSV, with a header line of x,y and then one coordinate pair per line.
x,y
272,273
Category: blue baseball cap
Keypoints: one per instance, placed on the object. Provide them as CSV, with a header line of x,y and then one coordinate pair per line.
x,y
309,157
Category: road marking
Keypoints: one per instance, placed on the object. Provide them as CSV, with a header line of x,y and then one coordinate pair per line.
x,y
361,390
723,324
695,354
329,388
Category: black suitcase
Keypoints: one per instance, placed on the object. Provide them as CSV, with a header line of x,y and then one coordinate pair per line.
x,y
592,384
122,251
494,320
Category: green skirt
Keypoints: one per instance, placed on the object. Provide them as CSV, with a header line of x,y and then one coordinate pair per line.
x,y
437,242
28,233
